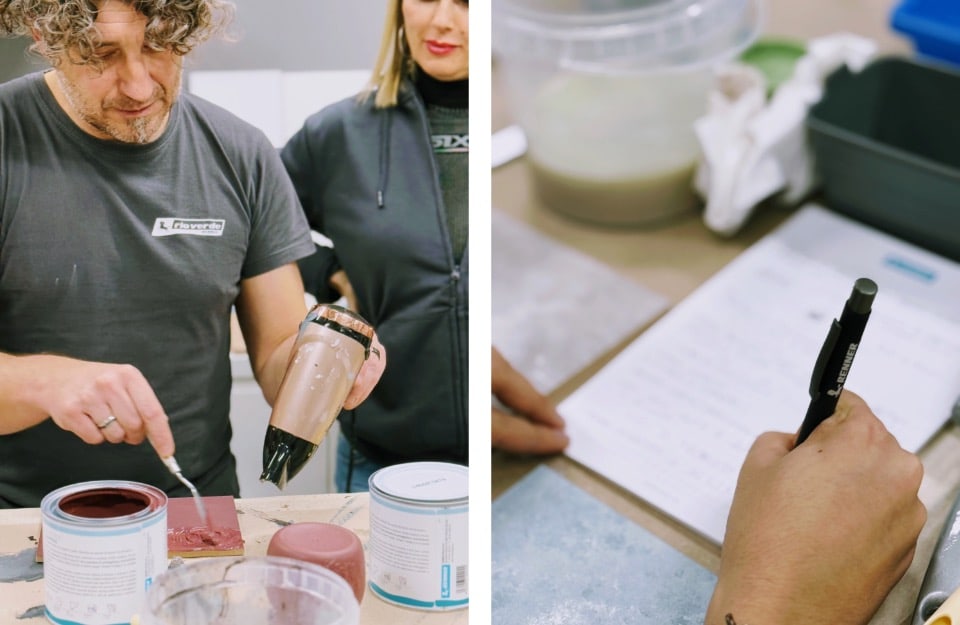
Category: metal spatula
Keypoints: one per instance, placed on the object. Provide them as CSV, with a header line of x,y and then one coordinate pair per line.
x,y
171,464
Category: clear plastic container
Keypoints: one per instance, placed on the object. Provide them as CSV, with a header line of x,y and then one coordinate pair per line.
x,y
607,92
249,591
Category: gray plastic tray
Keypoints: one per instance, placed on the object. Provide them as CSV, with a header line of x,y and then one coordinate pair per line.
x,y
886,143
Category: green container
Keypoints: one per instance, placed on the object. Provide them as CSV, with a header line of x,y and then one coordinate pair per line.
x,y
886,143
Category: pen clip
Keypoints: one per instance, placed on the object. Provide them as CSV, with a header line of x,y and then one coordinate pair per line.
x,y
825,352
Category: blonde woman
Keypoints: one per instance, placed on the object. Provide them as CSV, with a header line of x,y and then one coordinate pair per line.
x,y
384,176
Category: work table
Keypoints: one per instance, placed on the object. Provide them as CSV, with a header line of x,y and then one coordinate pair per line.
x,y
259,519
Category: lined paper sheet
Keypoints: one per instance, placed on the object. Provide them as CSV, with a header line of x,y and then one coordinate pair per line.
x,y
673,415
275,101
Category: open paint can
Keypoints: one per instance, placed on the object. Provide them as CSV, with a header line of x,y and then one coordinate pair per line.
x,y
418,547
103,544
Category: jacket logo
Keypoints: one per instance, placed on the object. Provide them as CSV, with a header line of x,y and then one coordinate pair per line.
x,y
451,143
168,226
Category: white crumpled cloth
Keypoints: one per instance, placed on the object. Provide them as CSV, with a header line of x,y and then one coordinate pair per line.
x,y
752,148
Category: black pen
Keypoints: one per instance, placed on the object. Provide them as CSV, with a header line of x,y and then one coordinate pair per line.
x,y
836,356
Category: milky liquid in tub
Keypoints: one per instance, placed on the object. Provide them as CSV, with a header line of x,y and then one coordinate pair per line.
x,y
607,92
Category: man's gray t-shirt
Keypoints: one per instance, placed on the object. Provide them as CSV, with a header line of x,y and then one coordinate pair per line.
x,y
133,254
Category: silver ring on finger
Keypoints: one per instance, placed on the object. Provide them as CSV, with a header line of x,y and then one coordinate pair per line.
x,y
106,422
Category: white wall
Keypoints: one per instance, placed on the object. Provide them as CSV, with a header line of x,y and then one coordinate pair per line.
x,y
14,60
297,35
290,35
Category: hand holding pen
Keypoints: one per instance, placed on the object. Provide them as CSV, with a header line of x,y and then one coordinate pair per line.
x,y
819,534
836,356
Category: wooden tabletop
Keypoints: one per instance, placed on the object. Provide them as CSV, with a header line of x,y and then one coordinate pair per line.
x,y
674,260
259,518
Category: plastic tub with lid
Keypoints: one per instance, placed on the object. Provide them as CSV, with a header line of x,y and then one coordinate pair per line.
x,y
607,92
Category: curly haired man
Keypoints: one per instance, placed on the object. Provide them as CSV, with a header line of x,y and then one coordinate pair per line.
x,y
133,219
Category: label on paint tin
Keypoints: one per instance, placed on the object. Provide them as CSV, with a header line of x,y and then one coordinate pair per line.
x,y
103,544
418,544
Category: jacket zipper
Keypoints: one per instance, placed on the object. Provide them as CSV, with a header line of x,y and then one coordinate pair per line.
x,y
455,271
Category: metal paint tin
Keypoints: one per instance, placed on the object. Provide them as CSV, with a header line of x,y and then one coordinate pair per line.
x,y
418,548
103,544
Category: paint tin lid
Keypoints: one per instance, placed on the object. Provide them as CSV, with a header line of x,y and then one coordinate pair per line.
x,y
422,482
104,503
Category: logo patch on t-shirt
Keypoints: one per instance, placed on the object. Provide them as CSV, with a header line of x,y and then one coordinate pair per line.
x,y
167,226
451,143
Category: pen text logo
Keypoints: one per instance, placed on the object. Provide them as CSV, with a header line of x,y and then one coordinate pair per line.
x,y
844,370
